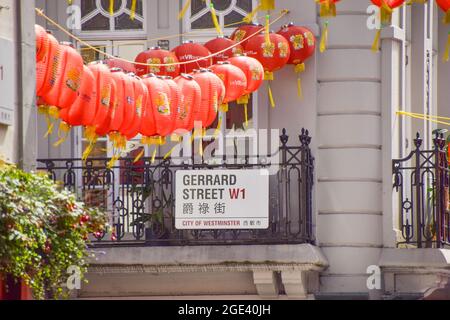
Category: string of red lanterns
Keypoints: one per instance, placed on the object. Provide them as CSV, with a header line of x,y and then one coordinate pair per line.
x,y
120,100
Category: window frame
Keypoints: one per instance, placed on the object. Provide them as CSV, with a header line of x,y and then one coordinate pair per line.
x,y
114,34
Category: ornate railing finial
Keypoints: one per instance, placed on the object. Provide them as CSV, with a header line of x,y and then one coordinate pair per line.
x,y
284,138
304,137
418,140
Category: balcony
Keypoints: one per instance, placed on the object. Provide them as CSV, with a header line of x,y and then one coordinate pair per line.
x,y
421,181
140,196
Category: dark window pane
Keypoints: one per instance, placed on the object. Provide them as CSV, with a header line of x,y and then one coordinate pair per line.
x,y
245,4
204,22
197,6
233,17
105,5
99,22
87,6
139,7
221,4
236,115
123,22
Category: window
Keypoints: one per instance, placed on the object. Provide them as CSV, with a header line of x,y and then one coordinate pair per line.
x,y
96,17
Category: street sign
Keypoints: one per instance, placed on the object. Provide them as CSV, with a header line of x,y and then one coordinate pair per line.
x,y
222,199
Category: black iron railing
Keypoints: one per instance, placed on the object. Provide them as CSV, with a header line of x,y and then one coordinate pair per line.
x,y
140,197
422,183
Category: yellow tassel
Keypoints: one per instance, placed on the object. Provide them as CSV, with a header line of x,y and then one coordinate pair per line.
x,y
267,5
69,2
133,10
299,88
113,160
327,8
90,136
324,38
267,30
184,10
385,13
224,107
153,156
139,156
447,49
376,41
447,17
219,126
111,7
251,15
272,101
268,76
63,133
299,68
243,99
214,19
246,114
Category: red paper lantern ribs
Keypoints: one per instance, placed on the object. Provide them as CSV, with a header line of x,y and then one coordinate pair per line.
x,y
272,55
191,97
157,56
253,70
190,51
243,32
82,111
42,42
158,117
125,66
64,78
212,87
220,44
234,80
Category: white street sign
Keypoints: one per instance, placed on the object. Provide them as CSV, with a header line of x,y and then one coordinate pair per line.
x,y
222,199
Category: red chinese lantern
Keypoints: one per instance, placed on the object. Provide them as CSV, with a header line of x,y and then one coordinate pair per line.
x,y
302,45
121,64
117,113
158,118
103,88
273,51
191,97
221,43
42,42
141,96
211,87
157,56
189,51
386,9
254,73
127,102
243,32
48,68
174,99
66,79
82,111
234,80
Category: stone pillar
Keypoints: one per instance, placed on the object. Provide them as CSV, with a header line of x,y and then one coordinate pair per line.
x,y
349,159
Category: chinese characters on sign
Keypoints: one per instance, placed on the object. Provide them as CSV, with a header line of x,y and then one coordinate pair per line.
x,y
222,199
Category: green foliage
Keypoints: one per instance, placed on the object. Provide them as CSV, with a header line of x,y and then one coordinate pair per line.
x,y
43,231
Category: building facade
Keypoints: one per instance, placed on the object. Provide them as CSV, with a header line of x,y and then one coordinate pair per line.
x,y
339,232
